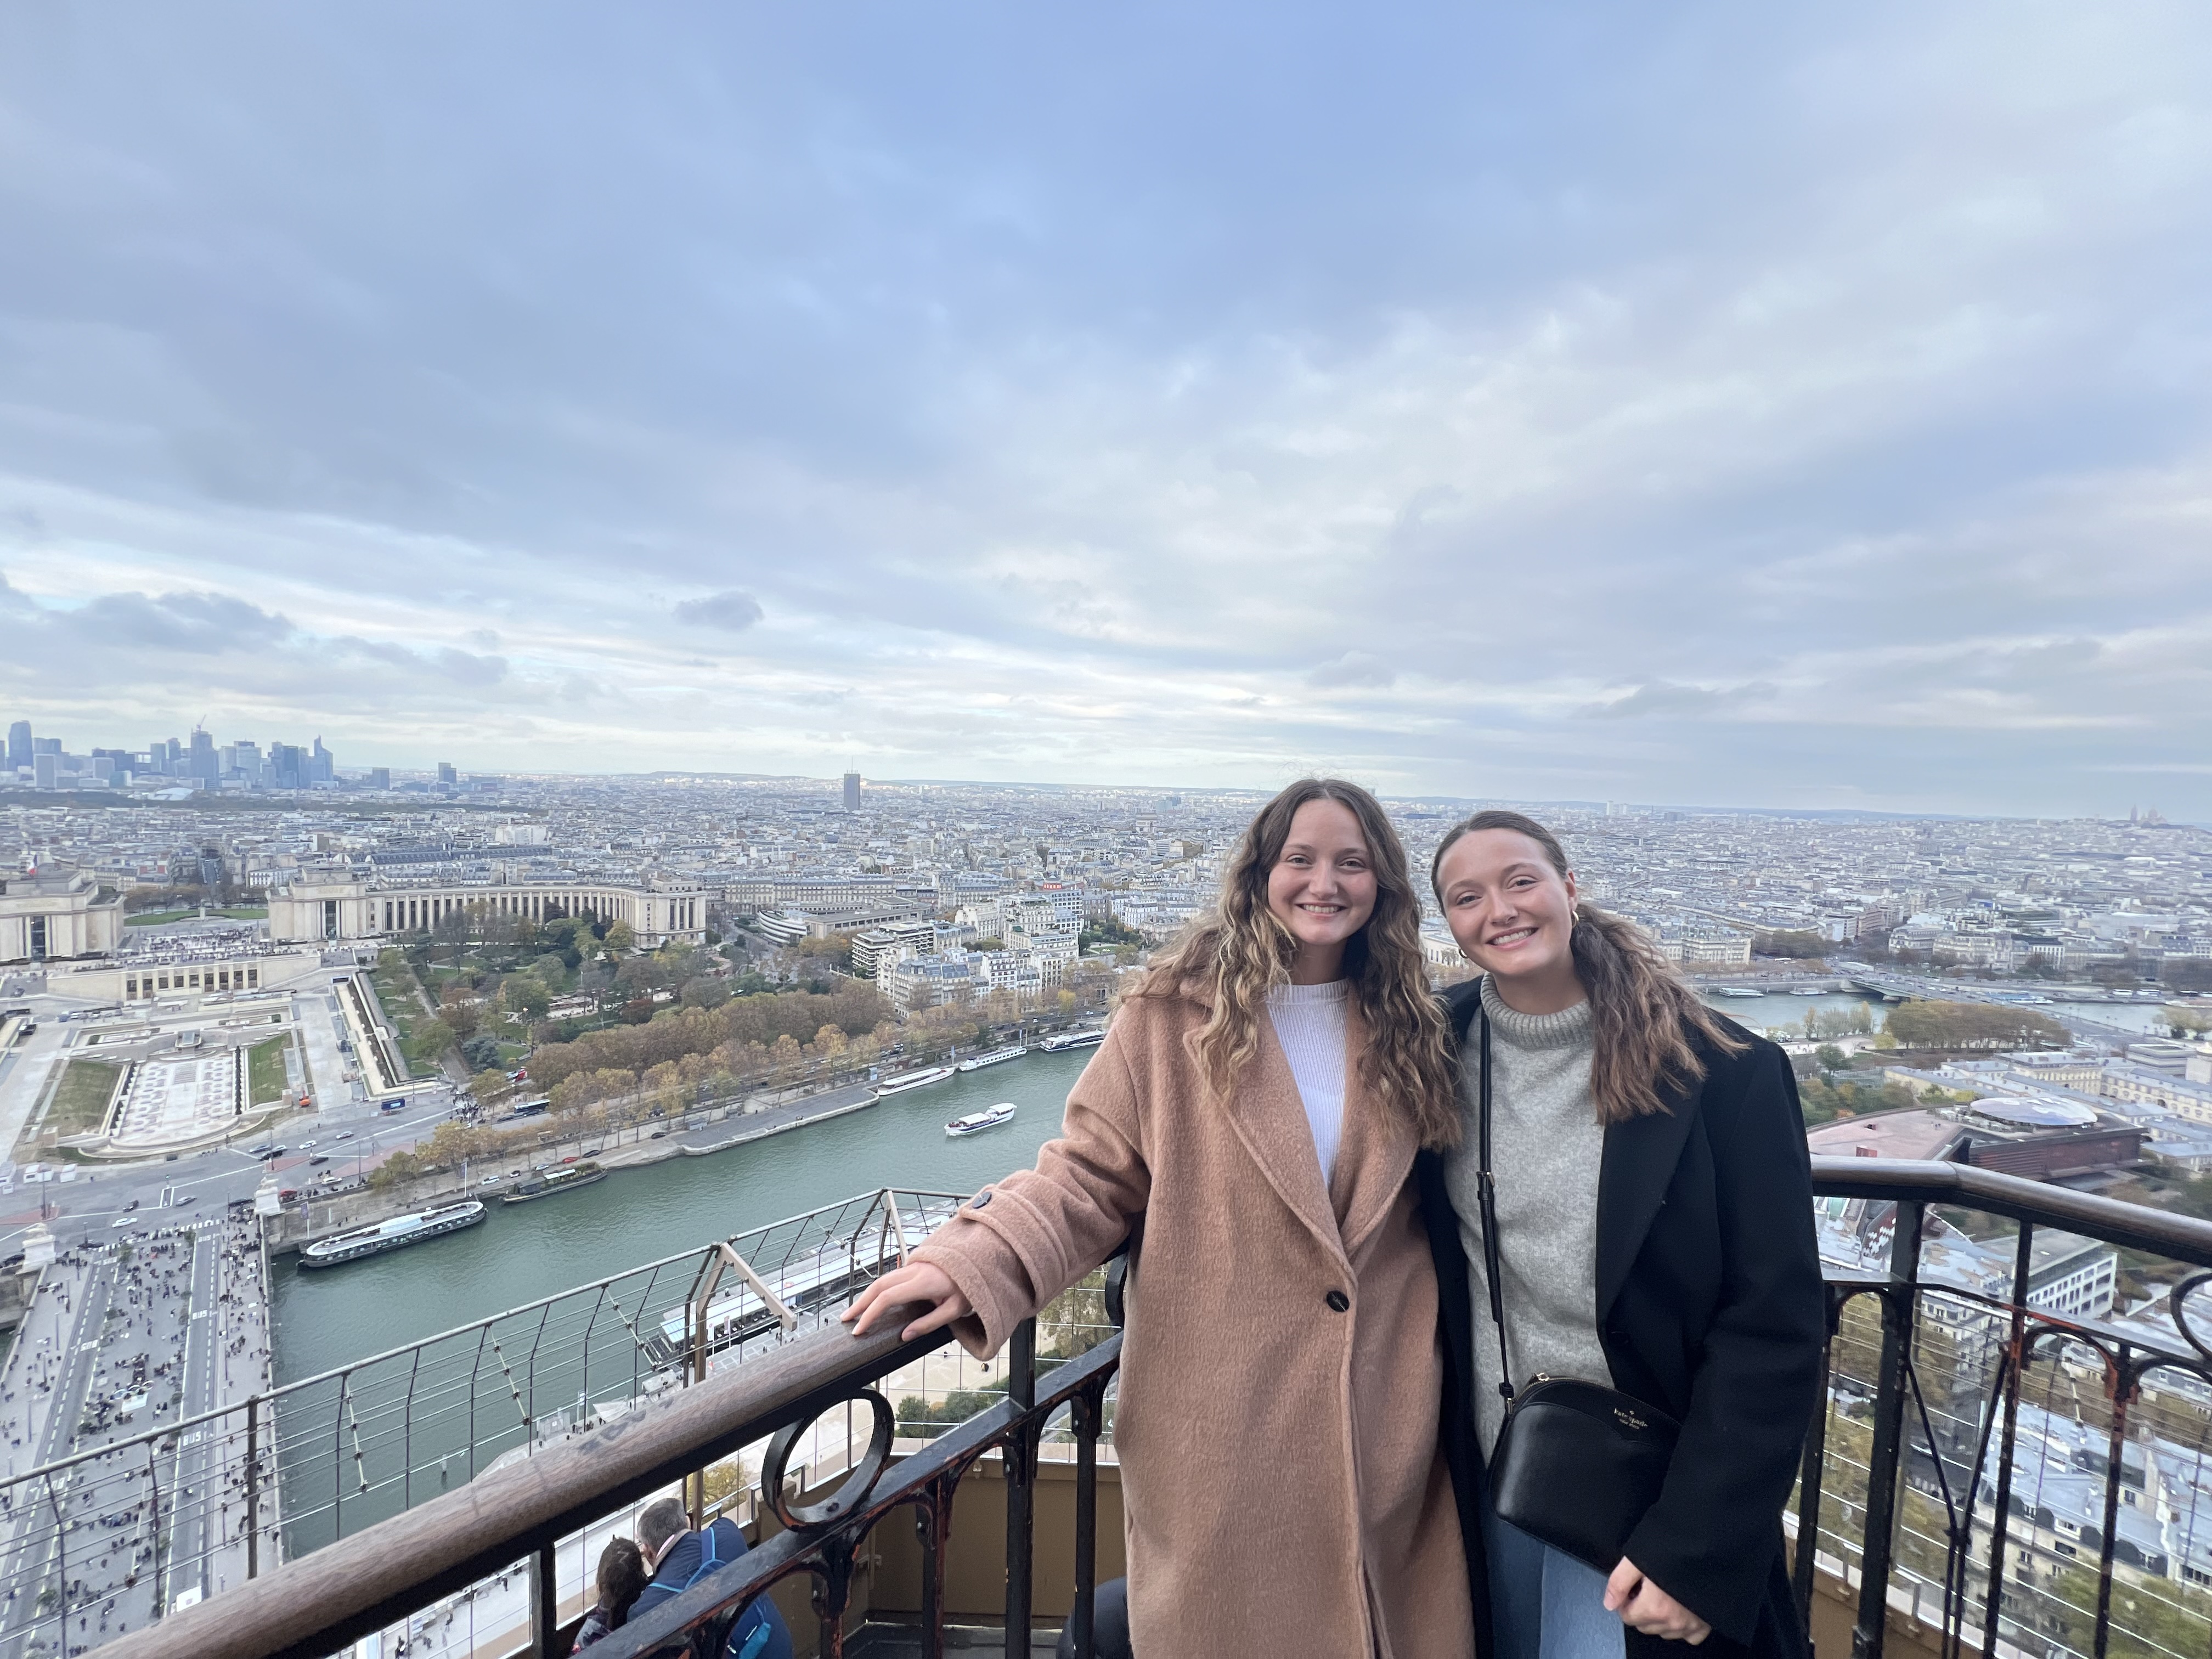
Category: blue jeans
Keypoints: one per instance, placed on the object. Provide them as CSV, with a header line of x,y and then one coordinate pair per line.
x,y
1544,1604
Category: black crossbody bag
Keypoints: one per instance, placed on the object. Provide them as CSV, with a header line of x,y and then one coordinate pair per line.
x,y
1577,1463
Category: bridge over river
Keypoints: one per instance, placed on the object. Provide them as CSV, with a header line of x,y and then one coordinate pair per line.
x,y
1911,987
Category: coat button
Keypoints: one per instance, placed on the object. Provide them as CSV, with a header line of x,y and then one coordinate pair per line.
x,y
1337,1302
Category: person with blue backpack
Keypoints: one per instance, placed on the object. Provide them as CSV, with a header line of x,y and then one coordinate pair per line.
x,y
680,1557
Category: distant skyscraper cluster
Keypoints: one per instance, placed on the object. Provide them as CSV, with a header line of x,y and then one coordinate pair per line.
x,y
198,762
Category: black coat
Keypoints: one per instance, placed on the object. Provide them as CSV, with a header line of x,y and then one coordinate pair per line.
x,y
1710,1307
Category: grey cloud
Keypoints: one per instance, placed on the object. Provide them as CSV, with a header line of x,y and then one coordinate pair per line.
x,y
200,624
1352,668
448,664
466,668
1666,699
1517,357
732,610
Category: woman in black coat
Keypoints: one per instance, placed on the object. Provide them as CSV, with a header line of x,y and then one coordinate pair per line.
x,y
1655,1227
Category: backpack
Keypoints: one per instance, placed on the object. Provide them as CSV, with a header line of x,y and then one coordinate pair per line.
x,y
748,1634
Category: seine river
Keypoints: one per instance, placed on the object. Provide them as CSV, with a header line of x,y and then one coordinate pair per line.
x,y
526,1251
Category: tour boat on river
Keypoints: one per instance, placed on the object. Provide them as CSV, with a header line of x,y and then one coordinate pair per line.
x,y
391,1235
921,1079
996,1057
1053,1045
977,1122
565,1180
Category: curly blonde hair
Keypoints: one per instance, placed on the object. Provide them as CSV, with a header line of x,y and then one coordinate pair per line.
x,y
1239,951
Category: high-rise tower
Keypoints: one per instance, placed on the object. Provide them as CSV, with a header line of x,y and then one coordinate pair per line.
x,y
852,792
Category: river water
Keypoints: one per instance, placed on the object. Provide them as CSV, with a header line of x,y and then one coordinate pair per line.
x,y
326,1318
524,1251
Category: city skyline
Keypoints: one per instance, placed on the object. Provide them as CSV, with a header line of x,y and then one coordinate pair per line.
x,y
846,785
1706,407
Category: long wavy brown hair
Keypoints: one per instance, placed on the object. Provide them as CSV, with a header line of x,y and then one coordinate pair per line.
x,y
1238,951
1645,1021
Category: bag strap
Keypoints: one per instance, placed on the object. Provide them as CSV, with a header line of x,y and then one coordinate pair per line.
x,y
1487,1190
707,1557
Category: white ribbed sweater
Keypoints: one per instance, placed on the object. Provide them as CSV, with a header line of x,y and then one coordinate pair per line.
x,y
1308,1022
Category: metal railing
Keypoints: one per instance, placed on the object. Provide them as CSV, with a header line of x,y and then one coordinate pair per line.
x,y
130,1526
2003,1462
2000,1456
520,1515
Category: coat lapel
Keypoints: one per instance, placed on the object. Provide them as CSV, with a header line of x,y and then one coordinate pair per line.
x,y
1375,1153
1633,1173
1270,1119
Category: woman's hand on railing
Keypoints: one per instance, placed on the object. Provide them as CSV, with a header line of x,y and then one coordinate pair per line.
x,y
1643,1606
918,1281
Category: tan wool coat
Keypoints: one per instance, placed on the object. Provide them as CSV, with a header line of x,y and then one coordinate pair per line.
x,y
1281,1373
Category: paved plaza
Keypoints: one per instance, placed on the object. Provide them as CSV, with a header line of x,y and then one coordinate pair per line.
x,y
165,1324
175,1102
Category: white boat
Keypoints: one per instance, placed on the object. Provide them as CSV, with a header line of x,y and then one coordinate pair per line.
x,y
1737,991
1053,1045
391,1235
1801,992
921,1079
977,1122
996,1057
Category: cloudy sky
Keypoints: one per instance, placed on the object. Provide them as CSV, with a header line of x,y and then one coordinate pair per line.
x,y
1729,404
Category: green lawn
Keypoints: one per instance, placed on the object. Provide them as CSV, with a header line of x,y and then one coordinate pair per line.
x,y
395,994
235,913
81,1099
264,1076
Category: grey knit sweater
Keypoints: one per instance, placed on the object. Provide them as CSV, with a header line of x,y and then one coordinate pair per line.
x,y
1546,1144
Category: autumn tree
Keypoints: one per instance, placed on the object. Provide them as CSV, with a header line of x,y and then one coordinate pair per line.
x,y
1973,1025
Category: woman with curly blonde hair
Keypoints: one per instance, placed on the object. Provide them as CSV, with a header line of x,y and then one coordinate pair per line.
x,y
1252,1118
